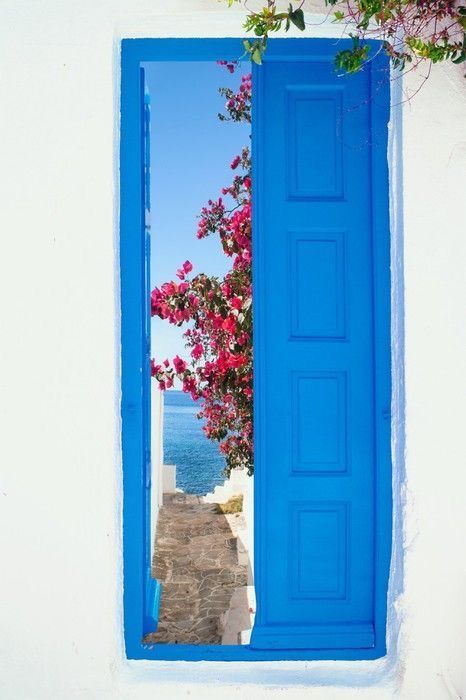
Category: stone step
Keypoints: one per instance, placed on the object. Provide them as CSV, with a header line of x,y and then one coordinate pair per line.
x,y
200,561
234,485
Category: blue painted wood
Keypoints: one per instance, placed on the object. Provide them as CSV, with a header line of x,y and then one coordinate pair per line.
x,y
322,352
319,243
153,597
152,590
133,352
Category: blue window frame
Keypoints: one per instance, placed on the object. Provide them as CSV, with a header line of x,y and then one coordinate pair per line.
x,y
323,504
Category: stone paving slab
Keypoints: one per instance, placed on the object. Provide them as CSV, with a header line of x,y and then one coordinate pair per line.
x,y
197,561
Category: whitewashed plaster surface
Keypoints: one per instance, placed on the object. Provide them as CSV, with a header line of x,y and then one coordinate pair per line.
x,y
60,494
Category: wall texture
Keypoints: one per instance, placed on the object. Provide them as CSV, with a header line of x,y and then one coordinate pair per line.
x,y
156,423
60,522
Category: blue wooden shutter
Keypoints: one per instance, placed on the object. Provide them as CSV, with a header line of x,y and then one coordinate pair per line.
x,y
322,352
152,587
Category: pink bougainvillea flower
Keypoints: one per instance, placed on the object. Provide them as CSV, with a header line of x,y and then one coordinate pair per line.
x,y
234,164
197,351
154,369
229,65
187,267
189,385
229,324
169,288
179,364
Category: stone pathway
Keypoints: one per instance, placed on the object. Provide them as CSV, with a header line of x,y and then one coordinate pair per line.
x,y
196,560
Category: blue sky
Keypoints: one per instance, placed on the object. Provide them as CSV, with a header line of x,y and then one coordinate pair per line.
x,y
191,151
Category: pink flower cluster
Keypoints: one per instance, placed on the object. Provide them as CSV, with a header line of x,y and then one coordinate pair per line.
x,y
184,270
218,316
237,104
239,100
229,65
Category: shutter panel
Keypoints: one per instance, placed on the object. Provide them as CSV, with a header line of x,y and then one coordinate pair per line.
x,y
322,344
152,590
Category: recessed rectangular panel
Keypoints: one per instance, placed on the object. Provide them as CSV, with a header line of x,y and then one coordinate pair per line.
x,y
321,354
314,142
317,271
319,552
319,424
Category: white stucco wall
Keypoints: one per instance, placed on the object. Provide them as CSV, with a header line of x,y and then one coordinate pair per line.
x,y
60,495
156,446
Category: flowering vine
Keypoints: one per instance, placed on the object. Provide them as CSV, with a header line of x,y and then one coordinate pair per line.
x,y
411,31
218,312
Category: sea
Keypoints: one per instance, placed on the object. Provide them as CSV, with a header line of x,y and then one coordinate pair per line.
x,y
199,462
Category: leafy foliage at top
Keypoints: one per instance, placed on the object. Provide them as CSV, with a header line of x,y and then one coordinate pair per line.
x,y
411,31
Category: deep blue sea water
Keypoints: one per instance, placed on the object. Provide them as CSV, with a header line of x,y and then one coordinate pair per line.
x,y
199,462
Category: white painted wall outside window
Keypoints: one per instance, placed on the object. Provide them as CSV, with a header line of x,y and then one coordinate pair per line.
x,y
157,480
60,514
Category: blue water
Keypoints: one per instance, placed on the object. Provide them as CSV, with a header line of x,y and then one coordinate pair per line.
x,y
199,463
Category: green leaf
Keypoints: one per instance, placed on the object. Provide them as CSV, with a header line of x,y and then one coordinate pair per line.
x,y
256,56
339,15
297,17
461,58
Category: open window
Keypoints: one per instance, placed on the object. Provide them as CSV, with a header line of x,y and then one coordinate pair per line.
x,y
321,354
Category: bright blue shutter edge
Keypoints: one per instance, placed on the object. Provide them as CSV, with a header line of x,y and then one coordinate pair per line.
x,y
153,587
365,634
133,352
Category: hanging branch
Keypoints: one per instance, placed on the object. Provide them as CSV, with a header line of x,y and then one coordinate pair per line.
x,y
411,31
